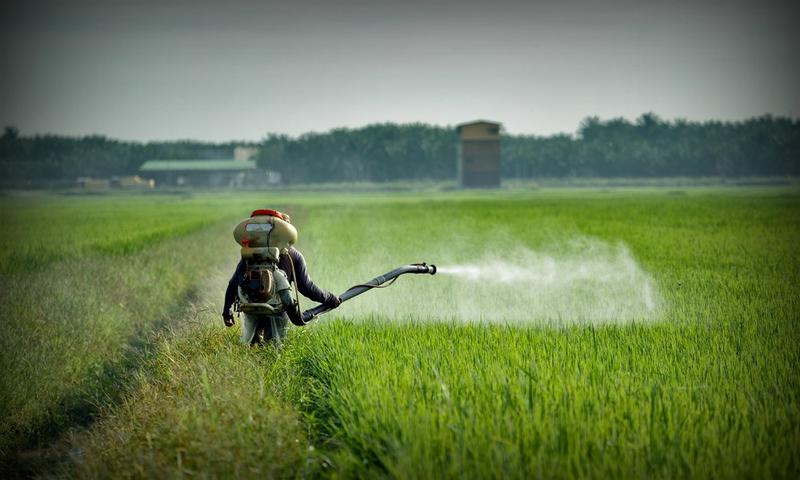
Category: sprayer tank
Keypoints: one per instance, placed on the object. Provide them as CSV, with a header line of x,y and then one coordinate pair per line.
x,y
264,235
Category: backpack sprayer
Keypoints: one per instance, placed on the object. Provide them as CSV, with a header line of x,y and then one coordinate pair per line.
x,y
266,290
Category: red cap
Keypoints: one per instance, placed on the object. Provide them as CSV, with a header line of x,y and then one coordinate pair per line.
x,y
271,213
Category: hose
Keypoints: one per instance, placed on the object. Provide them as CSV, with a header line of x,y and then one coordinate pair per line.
x,y
294,280
377,282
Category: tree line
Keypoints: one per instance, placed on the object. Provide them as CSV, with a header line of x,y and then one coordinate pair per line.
x,y
652,147
54,159
645,147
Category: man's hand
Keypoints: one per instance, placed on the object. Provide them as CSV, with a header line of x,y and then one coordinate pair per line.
x,y
228,319
333,301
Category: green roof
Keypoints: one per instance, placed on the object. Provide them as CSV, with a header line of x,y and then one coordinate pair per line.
x,y
196,165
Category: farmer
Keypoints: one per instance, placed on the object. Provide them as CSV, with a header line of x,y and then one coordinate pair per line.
x,y
258,327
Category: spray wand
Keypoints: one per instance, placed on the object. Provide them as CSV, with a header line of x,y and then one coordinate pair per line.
x,y
381,281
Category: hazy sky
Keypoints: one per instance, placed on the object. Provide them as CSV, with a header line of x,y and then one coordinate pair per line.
x,y
237,70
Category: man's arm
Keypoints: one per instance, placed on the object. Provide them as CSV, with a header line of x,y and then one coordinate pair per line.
x,y
305,285
231,292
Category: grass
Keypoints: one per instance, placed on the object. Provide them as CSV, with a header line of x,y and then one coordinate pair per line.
x,y
708,390
202,405
84,283
39,231
397,384
71,331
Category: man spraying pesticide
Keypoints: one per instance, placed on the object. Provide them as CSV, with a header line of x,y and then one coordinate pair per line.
x,y
260,287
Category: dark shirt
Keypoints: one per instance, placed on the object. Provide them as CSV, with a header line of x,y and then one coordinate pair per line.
x,y
305,285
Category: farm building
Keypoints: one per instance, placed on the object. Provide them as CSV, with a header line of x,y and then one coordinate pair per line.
x,y
229,172
479,154
200,173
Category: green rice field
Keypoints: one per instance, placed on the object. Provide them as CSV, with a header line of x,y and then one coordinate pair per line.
x,y
570,333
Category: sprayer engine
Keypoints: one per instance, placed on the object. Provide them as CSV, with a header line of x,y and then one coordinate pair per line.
x,y
259,284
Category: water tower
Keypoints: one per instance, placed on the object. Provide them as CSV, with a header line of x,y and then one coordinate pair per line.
x,y
479,154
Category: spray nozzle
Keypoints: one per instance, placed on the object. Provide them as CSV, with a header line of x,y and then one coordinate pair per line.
x,y
425,268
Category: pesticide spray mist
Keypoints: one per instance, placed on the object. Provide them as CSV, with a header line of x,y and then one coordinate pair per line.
x,y
583,281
